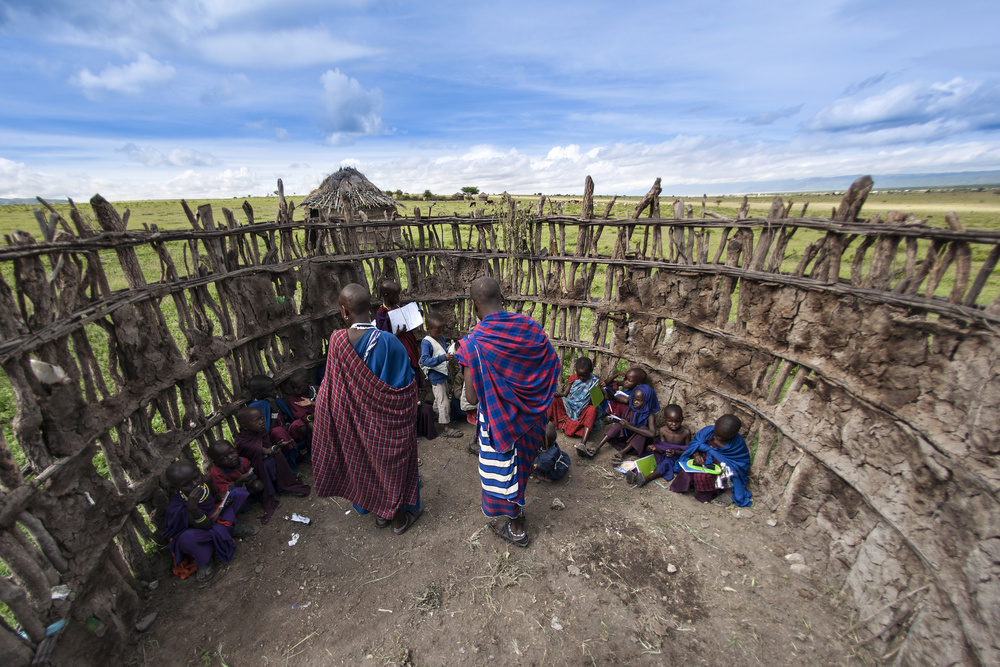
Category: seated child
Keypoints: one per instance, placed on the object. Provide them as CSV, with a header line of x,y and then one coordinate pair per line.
x,y
277,416
719,444
618,395
195,525
551,463
301,403
231,470
254,442
434,361
573,411
639,421
674,439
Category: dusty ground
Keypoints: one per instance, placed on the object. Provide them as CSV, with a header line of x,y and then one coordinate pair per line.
x,y
592,589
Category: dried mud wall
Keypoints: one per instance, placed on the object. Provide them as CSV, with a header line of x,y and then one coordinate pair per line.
x,y
869,395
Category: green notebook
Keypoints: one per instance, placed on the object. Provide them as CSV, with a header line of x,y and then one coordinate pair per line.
x,y
597,395
646,464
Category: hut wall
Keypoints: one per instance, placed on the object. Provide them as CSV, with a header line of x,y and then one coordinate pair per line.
x,y
869,403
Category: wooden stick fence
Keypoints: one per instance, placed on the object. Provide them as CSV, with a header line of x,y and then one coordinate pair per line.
x,y
156,357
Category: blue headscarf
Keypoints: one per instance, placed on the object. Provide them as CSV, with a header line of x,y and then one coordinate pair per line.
x,y
734,454
650,405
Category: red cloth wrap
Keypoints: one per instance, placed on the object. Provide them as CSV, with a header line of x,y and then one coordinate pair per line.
x,y
364,444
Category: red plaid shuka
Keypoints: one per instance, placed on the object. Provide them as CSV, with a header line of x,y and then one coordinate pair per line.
x,y
364,445
703,482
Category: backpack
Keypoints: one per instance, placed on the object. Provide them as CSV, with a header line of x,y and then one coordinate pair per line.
x,y
553,462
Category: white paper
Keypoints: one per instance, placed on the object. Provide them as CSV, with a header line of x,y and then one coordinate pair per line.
x,y
451,349
407,316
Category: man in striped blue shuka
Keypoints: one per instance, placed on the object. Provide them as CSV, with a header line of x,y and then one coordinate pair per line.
x,y
511,371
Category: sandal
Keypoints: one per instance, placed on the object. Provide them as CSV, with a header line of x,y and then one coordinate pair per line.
x,y
632,477
507,535
411,518
451,433
617,460
473,447
382,523
583,450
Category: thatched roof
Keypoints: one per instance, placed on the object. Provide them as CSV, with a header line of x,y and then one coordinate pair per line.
x,y
347,185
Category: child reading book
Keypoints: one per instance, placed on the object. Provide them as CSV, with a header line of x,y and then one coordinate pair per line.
x,y
573,410
721,446
629,434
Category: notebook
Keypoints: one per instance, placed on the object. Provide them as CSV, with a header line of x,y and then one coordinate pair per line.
x,y
407,316
691,466
597,395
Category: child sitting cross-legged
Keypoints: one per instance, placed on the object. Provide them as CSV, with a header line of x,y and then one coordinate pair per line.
x,y
573,410
197,525
231,470
631,433
720,444
674,438
254,443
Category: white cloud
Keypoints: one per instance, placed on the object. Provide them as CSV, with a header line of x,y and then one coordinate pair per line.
x,y
177,157
281,134
226,183
349,109
131,79
945,108
280,49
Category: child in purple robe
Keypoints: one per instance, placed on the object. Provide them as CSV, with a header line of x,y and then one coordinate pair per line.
x,y
631,433
674,439
254,443
198,525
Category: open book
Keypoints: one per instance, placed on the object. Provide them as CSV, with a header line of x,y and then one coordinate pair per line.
x,y
407,316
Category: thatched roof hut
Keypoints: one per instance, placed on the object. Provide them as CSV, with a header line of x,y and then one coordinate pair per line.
x,y
346,193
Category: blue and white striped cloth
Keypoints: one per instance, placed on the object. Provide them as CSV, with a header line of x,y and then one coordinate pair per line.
x,y
497,471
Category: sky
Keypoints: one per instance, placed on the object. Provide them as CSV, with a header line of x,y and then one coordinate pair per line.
x,y
139,99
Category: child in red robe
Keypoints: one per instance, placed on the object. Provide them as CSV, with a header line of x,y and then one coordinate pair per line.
x,y
254,443
231,470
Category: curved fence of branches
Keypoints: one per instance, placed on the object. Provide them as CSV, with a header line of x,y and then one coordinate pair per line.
x,y
864,367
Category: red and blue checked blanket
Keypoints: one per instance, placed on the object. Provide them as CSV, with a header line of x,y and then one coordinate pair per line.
x,y
364,444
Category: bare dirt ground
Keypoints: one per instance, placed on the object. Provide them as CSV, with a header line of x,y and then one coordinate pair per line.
x,y
593,588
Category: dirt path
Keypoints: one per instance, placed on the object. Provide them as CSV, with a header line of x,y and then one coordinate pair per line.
x,y
593,588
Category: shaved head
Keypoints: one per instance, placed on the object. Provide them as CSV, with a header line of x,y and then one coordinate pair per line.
x,y
727,426
179,471
357,301
485,292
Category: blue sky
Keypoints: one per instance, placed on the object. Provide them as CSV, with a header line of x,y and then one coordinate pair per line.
x,y
220,98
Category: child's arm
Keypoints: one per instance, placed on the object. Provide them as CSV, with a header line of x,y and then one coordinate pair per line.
x,y
196,517
425,355
648,432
